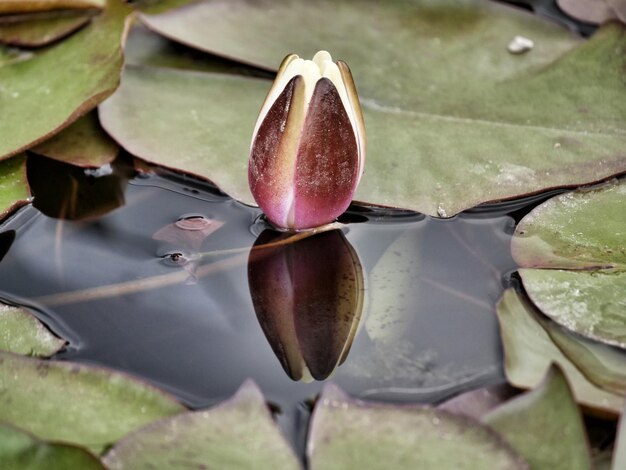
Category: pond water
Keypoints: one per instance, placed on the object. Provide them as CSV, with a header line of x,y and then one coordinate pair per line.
x,y
393,306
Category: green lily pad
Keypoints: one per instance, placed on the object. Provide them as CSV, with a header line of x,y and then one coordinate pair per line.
x,y
453,118
346,433
572,250
529,351
37,31
545,425
22,333
603,365
25,6
14,190
70,79
83,143
237,434
199,114
76,403
20,450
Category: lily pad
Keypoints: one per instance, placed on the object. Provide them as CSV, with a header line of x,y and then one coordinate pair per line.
x,y
76,403
70,78
25,6
545,425
22,333
20,450
453,118
529,351
37,31
14,190
477,403
572,249
237,434
594,11
603,365
83,143
348,433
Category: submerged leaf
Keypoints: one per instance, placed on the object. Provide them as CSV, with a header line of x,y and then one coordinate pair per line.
x,y
453,118
237,434
348,433
22,333
14,190
69,78
572,250
37,31
83,143
76,403
20,450
545,425
529,351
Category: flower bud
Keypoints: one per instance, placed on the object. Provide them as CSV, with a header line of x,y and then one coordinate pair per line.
x,y
308,146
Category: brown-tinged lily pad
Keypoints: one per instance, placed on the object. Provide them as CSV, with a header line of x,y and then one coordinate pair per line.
x,y
529,351
545,425
453,118
594,11
477,403
53,88
22,333
25,6
20,450
14,191
83,143
237,434
75,403
574,258
41,29
346,433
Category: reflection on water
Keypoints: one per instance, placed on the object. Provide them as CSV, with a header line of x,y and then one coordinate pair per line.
x,y
394,306
308,297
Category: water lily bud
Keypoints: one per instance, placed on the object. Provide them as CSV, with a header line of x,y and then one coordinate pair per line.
x,y
308,146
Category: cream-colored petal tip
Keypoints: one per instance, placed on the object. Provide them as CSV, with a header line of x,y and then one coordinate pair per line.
x,y
321,57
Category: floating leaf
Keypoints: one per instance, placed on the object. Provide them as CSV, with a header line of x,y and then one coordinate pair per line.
x,y
13,186
25,6
579,236
20,450
76,403
70,78
22,333
477,403
594,11
203,133
529,351
545,425
83,143
238,433
603,365
348,433
36,30
453,119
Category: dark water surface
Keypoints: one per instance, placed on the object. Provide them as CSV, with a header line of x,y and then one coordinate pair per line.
x,y
404,301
